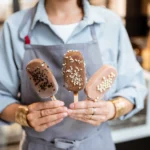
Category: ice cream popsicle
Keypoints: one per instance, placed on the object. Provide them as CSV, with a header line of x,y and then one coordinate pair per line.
x,y
100,82
42,78
74,72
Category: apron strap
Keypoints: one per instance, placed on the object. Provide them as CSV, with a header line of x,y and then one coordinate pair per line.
x,y
93,32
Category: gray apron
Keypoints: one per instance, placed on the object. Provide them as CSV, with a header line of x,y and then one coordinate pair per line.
x,y
70,134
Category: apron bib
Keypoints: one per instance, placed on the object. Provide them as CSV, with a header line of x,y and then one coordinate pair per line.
x,y
69,134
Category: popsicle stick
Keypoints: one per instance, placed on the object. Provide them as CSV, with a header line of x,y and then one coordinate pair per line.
x,y
76,99
53,98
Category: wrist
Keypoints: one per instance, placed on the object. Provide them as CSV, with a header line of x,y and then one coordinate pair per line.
x,y
8,114
120,107
111,110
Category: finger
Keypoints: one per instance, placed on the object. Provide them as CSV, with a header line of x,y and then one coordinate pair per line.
x,y
52,118
89,111
45,105
47,125
48,112
92,122
47,119
88,104
38,114
99,118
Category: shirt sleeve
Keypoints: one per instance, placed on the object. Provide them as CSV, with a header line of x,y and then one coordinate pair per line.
x,y
9,78
130,82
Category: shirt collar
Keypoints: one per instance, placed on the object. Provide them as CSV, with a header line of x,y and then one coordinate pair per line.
x,y
40,14
91,14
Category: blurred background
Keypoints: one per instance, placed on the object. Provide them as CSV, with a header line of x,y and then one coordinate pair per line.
x,y
134,133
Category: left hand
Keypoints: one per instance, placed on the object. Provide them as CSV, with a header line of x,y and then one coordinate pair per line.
x,y
92,112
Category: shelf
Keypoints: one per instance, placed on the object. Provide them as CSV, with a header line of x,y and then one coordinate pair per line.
x,y
133,133
10,134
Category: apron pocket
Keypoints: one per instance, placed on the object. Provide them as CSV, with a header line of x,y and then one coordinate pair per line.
x,y
39,146
36,146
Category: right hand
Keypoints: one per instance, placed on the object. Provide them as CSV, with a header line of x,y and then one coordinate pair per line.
x,y
43,115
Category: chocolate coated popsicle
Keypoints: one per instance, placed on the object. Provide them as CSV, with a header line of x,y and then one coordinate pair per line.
x,y
100,82
74,72
42,78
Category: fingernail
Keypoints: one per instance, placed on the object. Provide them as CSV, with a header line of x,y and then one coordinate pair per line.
x,y
65,114
62,103
65,109
72,106
30,108
70,111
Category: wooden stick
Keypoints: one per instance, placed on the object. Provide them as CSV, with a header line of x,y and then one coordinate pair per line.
x,y
53,98
76,99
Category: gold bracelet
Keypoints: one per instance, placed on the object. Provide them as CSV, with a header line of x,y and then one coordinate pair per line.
x,y
119,107
21,116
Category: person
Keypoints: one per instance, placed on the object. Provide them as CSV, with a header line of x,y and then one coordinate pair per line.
x,y
47,31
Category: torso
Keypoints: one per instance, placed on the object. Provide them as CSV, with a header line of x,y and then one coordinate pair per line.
x,y
106,44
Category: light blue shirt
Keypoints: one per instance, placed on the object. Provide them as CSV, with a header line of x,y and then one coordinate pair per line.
x,y
113,42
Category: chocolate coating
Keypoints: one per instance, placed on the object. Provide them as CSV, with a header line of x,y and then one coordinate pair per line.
x,y
74,71
100,82
42,78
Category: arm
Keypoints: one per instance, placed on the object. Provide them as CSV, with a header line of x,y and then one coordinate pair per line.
x,y
39,116
8,114
9,78
104,110
130,92
130,81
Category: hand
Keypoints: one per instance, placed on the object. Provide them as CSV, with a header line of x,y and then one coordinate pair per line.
x,y
43,115
83,111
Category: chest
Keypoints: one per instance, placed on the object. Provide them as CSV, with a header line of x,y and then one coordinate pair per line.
x,y
43,35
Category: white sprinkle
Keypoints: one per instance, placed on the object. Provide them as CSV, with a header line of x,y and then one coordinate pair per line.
x,y
95,100
42,64
104,78
68,70
109,76
101,90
